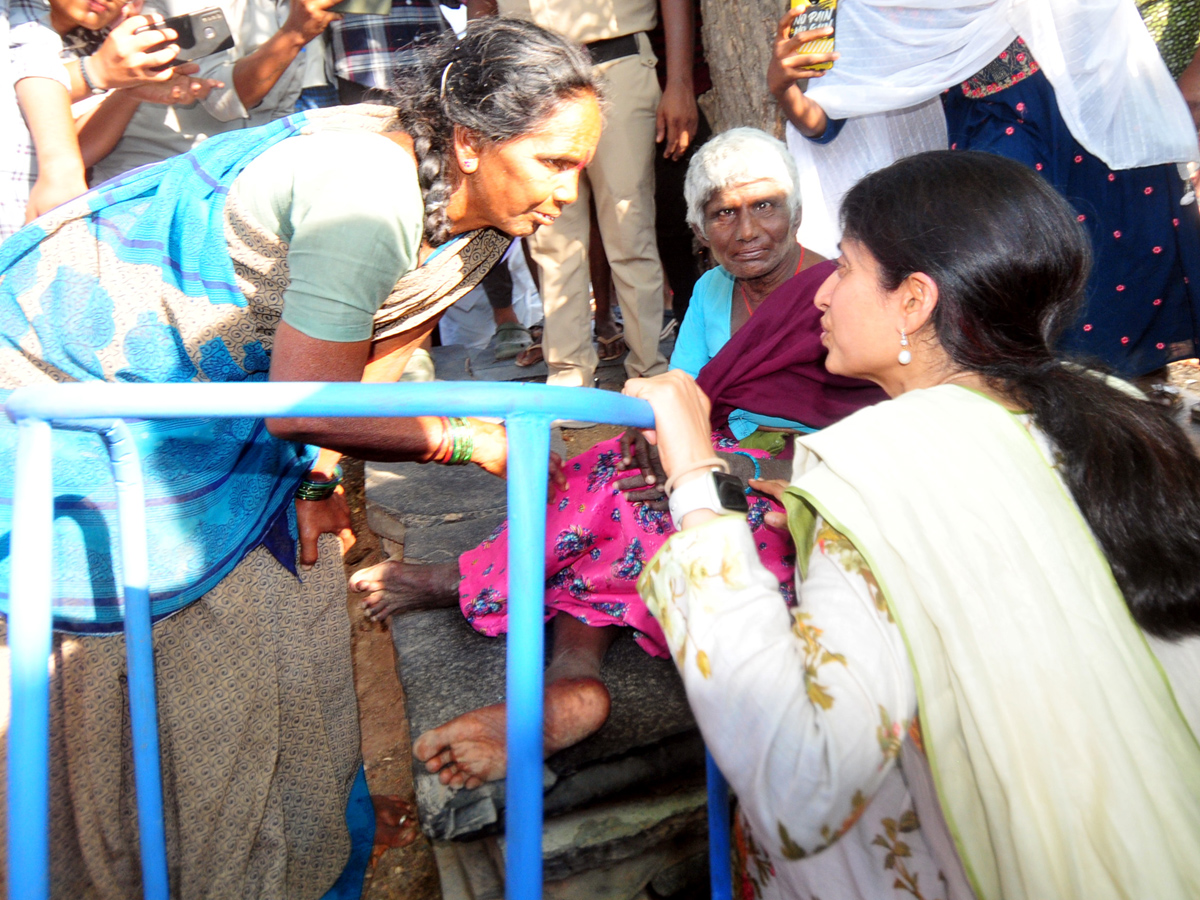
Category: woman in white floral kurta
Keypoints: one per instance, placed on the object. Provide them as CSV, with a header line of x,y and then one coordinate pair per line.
x,y
963,563
828,678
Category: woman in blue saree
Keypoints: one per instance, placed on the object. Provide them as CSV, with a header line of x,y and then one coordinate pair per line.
x,y
322,247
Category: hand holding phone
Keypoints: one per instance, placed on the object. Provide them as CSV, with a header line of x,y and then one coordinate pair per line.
x,y
134,53
813,16
197,34
797,56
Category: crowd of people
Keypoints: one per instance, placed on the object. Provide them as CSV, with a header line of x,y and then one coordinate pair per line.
x,y
925,562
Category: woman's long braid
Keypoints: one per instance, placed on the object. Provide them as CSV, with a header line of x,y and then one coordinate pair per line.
x,y
430,149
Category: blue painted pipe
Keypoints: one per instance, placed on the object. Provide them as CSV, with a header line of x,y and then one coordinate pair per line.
x,y
528,459
29,657
139,656
529,410
169,401
720,863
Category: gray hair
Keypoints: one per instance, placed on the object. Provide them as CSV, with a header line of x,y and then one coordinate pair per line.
x,y
501,79
735,157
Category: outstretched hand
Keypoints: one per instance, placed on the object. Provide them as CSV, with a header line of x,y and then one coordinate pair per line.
x,y
682,431
491,453
773,488
179,89
646,485
317,517
491,446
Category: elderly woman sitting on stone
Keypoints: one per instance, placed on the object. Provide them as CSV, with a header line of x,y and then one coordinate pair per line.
x,y
751,337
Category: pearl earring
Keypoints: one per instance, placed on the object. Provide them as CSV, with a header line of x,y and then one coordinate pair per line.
x,y
905,354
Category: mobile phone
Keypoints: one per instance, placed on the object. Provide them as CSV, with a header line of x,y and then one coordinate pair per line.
x,y
817,14
200,34
363,7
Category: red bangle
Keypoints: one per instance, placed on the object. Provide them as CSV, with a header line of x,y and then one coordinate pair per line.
x,y
446,445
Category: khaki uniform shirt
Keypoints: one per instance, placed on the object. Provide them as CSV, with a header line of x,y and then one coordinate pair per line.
x,y
586,20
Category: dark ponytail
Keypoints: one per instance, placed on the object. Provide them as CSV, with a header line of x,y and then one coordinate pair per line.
x,y
1011,263
501,79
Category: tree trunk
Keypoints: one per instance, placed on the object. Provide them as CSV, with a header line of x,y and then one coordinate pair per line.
x,y
738,38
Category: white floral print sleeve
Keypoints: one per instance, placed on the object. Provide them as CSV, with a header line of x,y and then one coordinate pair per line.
x,y
804,709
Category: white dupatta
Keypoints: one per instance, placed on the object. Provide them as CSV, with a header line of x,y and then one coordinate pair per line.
x,y
1113,89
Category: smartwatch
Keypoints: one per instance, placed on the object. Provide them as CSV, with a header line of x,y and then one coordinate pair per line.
x,y
717,491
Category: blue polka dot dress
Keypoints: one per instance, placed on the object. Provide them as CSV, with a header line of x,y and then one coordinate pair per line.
x,y
1142,309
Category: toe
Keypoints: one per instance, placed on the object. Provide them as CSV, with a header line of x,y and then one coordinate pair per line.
x,y
427,747
376,608
370,578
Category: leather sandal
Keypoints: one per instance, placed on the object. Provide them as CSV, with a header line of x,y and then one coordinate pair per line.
x,y
510,339
530,356
611,348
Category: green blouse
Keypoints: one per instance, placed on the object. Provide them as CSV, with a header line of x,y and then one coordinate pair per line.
x,y
349,207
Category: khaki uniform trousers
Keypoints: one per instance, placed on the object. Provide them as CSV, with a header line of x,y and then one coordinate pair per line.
x,y
620,182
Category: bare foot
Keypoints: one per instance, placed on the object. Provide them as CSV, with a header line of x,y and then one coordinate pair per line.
x,y
394,587
471,749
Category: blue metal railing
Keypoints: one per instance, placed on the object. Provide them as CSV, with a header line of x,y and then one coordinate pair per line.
x,y
528,411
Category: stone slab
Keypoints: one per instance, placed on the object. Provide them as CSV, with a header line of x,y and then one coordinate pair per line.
x,y
386,523
467,872
613,832
483,366
612,852
448,669
446,542
451,363
420,495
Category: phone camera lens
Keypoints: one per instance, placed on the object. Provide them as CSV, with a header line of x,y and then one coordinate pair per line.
x,y
210,32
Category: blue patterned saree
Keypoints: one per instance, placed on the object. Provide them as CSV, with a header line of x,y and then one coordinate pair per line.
x,y
133,283
158,277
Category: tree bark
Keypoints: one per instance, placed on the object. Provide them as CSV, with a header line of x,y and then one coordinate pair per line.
x,y
738,37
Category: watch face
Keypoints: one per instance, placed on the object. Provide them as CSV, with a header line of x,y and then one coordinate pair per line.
x,y
731,492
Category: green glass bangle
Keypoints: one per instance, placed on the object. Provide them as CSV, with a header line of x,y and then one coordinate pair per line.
x,y
462,443
319,490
